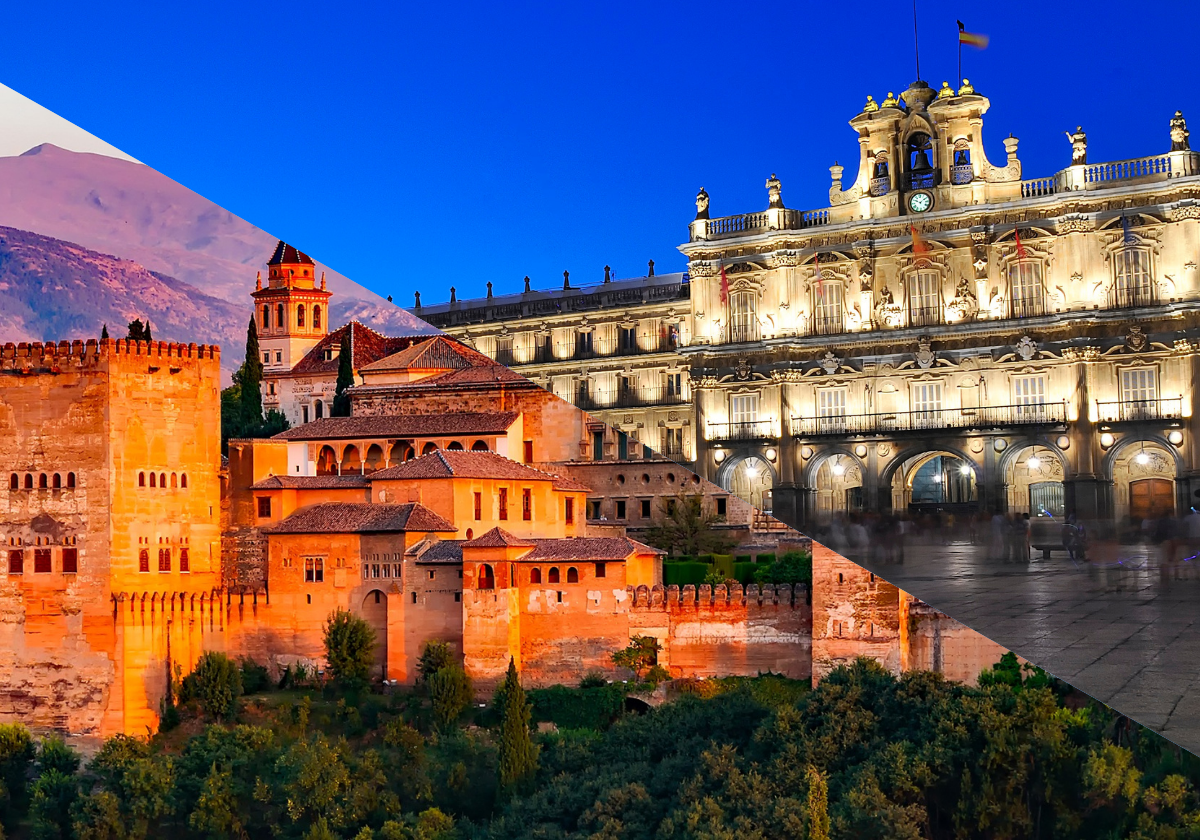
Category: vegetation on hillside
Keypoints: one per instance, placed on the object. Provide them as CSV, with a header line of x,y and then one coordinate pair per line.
x,y
686,527
863,755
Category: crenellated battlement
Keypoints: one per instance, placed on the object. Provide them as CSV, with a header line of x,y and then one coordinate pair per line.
x,y
753,595
53,355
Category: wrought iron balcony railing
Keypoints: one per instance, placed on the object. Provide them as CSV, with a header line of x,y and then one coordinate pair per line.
x,y
1030,306
545,353
645,395
1131,411
828,324
742,430
981,417
1131,297
926,316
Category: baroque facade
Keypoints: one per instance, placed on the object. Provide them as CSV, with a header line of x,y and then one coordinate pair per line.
x,y
946,333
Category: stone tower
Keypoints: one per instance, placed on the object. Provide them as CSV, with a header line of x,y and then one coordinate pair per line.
x,y
292,311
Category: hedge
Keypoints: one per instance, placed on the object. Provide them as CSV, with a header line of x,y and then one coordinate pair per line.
x,y
744,558
765,558
681,574
578,708
724,564
743,573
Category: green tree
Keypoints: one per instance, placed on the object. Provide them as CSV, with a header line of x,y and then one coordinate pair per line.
x,y
137,330
216,683
345,378
817,804
55,754
51,798
141,781
435,655
517,753
687,526
250,381
16,755
639,656
349,649
792,568
97,816
450,690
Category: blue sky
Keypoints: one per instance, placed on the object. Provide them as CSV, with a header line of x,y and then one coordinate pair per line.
x,y
419,146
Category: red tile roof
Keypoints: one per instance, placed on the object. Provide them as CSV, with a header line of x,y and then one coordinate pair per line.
x,y
587,549
446,463
403,426
312,482
361,518
436,353
366,346
437,551
498,538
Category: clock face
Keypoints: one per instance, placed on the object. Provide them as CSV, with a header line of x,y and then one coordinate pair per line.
x,y
920,202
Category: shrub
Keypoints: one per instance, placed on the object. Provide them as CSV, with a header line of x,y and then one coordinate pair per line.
x,y
743,558
769,557
450,689
579,708
51,798
706,558
55,754
657,674
676,573
639,656
435,655
216,683
349,648
16,754
254,676
744,573
793,567
593,679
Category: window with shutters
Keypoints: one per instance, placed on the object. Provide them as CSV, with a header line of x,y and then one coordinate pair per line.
x,y
526,504
569,512
16,561
924,298
743,317
144,560
164,559
927,404
478,506
1133,283
70,561
1139,394
831,409
503,503
828,308
41,561
1025,288
185,560
1029,394
314,569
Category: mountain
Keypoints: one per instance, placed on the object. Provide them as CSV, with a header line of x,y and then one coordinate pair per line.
x,y
119,207
51,290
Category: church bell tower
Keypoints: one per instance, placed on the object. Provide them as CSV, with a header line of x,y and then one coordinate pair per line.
x,y
291,311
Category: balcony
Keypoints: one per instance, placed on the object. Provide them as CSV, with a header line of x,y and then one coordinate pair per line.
x,y
742,333
962,174
982,417
643,396
742,430
1134,411
926,316
1131,297
828,324
1028,307
546,353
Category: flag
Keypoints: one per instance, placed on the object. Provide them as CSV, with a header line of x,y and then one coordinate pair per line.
x,y
918,245
817,268
724,287
971,39
1020,248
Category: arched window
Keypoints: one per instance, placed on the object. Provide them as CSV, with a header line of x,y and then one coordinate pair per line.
x,y
455,446
920,167
552,577
144,560
266,319
572,575
409,454
535,576
43,481
316,317
56,482
279,316
429,447
164,559
174,481
162,479
28,481
183,481
487,578
479,446
185,561
374,460
300,315
318,409
141,479
14,482
70,481
153,480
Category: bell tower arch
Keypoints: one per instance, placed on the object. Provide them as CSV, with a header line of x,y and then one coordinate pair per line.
x,y
291,311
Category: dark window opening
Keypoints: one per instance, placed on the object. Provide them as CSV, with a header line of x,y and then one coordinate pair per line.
x,y
722,507
144,560
535,576
164,559
16,562
70,561
570,511
487,577
478,506
601,570
503,503
528,452
572,575
526,504
264,507
552,576
645,508
185,561
41,561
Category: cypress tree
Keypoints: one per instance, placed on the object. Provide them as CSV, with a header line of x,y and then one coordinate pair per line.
x,y
137,332
818,804
146,336
345,378
104,332
251,382
518,755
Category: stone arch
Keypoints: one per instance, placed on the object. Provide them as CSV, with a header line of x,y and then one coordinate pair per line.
x,y
1033,472
351,460
486,578
428,448
375,613
907,464
374,461
454,446
480,446
838,477
1145,472
327,461
751,477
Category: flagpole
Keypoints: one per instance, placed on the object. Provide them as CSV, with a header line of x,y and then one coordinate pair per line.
x,y
916,41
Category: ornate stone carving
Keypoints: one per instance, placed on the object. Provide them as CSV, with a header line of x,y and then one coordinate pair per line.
x,y
1076,224
965,305
698,268
884,450
743,369
925,356
1027,348
1182,345
1136,340
888,313
1078,146
774,192
1150,463
702,204
1185,211
830,363
781,259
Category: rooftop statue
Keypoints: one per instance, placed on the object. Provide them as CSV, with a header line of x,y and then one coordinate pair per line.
x,y
774,191
1179,133
1078,146
702,204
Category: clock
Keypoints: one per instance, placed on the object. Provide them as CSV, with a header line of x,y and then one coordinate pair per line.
x,y
919,202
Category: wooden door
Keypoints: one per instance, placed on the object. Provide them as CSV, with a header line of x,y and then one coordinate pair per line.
x,y
1150,498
